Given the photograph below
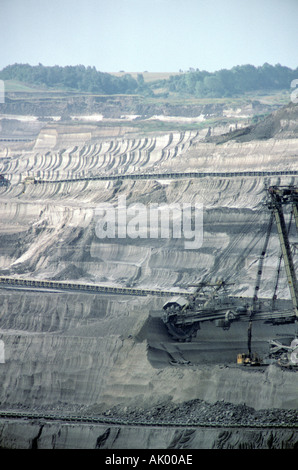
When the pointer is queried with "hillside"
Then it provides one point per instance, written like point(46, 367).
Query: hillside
point(282, 123)
point(221, 83)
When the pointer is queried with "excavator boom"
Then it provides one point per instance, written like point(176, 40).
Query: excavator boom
point(279, 197)
point(183, 316)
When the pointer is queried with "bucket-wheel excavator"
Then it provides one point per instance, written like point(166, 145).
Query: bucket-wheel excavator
point(183, 315)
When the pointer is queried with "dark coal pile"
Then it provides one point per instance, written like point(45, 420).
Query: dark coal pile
point(199, 412)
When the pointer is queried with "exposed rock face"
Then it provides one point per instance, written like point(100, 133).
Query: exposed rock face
point(116, 107)
point(21, 435)
point(98, 351)
point(281, 124)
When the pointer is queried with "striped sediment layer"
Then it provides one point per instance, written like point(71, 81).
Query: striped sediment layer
point(76, 349)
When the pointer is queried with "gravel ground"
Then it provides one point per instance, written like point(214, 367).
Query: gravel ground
point(193, 412)
point(199, 411)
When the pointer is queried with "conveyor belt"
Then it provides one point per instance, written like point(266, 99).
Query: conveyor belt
point(12, 282)
point(119, 421)
point(148, 176)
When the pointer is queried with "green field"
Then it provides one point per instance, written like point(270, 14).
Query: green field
point(159, 97)
point(15, 86)
point(148, 76)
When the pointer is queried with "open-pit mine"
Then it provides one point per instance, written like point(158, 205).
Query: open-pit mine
point(143, 340)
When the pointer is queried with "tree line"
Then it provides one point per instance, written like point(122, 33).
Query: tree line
point(78, 77)
point(238, 80)
point(222, 83)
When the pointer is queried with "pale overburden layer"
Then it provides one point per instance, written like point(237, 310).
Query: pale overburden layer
point(98, 351)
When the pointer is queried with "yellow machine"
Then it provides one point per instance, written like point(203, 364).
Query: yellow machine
point(249, 359)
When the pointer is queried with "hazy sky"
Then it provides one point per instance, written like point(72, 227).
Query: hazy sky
point(152, 35)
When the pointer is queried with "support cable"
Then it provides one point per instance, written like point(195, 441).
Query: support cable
point(274, 297)
point(260, 265)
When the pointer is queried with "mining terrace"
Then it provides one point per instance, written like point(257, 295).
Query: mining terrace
point(86, 369)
